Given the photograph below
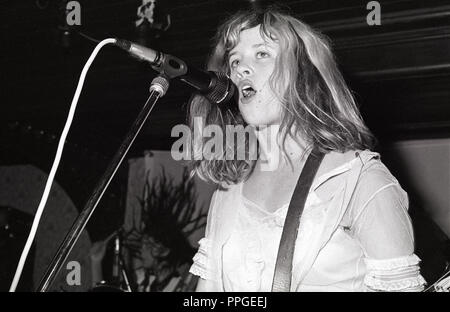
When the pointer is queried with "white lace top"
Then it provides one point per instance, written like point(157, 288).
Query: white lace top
point(355, 238)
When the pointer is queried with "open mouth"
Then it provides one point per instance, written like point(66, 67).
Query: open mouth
point(247, 91)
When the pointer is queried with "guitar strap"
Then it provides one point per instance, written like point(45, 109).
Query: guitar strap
point(283, 267)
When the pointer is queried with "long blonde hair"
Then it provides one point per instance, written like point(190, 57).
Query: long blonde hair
point(317, 106)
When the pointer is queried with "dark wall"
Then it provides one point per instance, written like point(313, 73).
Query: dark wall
point(399, 70)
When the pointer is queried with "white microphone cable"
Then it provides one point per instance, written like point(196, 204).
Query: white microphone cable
point(55, 165)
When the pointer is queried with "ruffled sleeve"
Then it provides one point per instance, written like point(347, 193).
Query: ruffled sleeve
point(397, 274)
point(202, 259)
point(382, 226)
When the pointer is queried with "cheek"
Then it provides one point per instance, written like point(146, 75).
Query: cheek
point(248, 112)
point(233, 77)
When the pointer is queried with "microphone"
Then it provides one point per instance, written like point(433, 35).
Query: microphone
point(215, 86)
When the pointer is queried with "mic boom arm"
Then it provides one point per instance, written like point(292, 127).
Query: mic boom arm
point(215, 86)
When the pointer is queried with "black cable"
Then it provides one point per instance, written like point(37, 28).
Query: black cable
point(88, 37)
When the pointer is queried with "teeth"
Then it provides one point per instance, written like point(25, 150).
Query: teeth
point(247, 91)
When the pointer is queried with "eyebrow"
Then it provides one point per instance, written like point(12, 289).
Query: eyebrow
point(255, 46)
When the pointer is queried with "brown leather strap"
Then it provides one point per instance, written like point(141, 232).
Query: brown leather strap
point(283, 266)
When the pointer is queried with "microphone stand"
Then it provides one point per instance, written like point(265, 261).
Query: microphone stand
point(158, 88)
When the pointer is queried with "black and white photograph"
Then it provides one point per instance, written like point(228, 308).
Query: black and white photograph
point(224, 150)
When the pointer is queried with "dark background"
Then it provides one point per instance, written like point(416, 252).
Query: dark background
point(399, 71)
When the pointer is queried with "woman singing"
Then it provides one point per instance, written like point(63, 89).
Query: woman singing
point(355, 233)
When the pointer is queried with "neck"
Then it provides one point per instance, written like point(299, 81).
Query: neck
point(270, 141)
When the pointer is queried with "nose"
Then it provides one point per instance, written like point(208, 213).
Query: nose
point(243, 70)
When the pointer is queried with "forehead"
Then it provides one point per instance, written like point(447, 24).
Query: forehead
point(252, 37)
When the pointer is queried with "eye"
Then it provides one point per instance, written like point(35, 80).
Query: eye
point(262, 54)
point(234, 63)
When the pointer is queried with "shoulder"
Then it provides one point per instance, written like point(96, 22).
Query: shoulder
point(377, 187)
point(226, 192)
point(351, 160)
point(339, 169)
point(223, 204)
point(363, 176)
point(375, 177)
point(372, 173)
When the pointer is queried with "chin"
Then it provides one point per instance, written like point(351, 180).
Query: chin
point(252, 121)
point(255, 117)
point(250, 116)
point(259, 123)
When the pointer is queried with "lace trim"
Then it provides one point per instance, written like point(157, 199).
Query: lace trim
point(415, 283)
point(391, 264)
point(200, 259)
point(204, 245)
point(198, 271)
point(394, 274)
